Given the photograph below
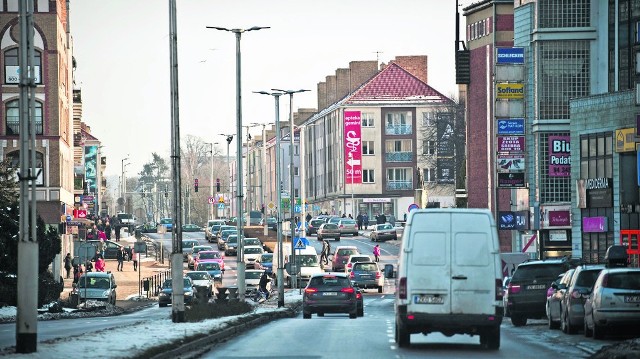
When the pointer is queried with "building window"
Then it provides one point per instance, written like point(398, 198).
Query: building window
point(12, 66)
point(399, 123)
point(399, 151)
point(399, 179)
point(14, 159)
point(366, 119)
point(368, 176)
point(12, 116)
point(428, 119)
point(296, 193)
point(428, 147)
point(429, 174)
point(562, 13)
point(296, 171)
point(296, 150)
point(367, 148)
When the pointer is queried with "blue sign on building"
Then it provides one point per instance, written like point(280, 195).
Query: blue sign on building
point(511, 126)
point(510, 55)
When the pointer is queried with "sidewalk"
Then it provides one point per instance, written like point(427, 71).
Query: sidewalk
point(128, 279)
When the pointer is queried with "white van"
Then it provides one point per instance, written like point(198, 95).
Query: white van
point(449, 276)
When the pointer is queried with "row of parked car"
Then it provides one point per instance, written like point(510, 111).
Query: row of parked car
point(592, 298)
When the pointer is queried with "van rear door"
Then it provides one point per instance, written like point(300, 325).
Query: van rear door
point(474, 263)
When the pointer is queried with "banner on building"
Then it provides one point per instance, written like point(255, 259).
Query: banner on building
point(508, 91)
point(510, 162)
point(559, 156)
point(352, 147)
point(511, 144)
point(511, 126)
point(444, 131)
point(513, 220)
point(510, 55)
point(446, 171)
point(511, 180)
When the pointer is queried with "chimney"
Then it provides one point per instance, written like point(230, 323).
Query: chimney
point(416, 65)
point(322, 95)
point(331, 90)
point(343, 83)
point(361, 71)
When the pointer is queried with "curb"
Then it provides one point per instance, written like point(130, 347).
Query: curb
point(192, 348)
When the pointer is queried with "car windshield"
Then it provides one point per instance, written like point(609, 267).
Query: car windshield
point(330, 281)
point(252, 250)
point(384, 226)
point(307, 260)
point(209, 255)
point(198, 276)
point(189, 244)
point(252, 242)
point(198, 249)
point(215, 227)
point(587, 278)
point(365, 267)
point(227, 233)
point(209, 266)
point(347, 252)
point(360, 259)
point(232, 240)
point(330, 226)
point(266, 258)
point(348, 221)
point(528, 272)
point(98, 283)
point(252, 275)
point(623, 280)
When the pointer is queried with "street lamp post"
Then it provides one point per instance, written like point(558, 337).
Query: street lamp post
point(294, 281)
point(211, 182)
point(123, 185)
point(280, 254)
point(228, 138)
point(240, 257)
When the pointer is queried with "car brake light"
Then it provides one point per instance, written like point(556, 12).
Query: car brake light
point(498, 289)
point(341, 226)
point(378, 275)
point(350, 265)
point(402, 288)
point(352, 275)
point(310, 290)
point(347, 290)
point(358, 295)
point(513, 288)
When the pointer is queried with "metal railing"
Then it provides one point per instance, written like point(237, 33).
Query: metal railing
point(151, 285)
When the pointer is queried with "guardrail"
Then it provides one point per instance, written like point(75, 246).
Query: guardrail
point(151, 284)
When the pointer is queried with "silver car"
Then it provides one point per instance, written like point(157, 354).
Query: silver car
point(98, 286)
point(613, 302)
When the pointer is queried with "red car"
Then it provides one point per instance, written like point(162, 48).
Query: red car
point(209, 256)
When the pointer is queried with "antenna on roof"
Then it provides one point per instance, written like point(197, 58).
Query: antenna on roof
point(378, 55)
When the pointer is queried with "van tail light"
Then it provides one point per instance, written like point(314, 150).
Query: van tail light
point(310, 290)
point(347, 290)
point(513, 289)
point(352, 275)
point(349, 265)
point(342, 226)
point(605, 280)
point(498, 289)
point(378, 275)
point(402, 288)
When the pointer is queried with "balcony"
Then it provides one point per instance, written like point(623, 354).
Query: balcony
point(398, 129)
point(13, 127)
point(399, 185)
point(398, 157)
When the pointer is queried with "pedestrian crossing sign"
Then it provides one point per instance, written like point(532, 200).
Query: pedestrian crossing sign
point(300, 243)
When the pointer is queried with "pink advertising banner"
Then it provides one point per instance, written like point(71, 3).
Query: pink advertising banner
point(352, 147)
point(559, 156)
point(511, 144)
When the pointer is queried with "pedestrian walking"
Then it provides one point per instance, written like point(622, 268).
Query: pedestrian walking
point(376, 253)
point(107, 230)
point(120, 257)
point(134, 257)
point(100, 264)
point(101, 245)
point(365, 221)
point(68, 261)
point(359, 221)
point(116, 230)
point(326, 250)
point(77, 272)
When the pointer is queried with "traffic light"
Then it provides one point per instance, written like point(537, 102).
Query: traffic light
point(195, 185)
point(217, 184)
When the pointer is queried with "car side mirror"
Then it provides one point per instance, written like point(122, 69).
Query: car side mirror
point(554, 285)
point(115, 286)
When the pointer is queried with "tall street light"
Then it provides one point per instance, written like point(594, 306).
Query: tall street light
point(211, 181)
point(292, 185)
point(250, 191)
point(123, 185)
point(280, 254)
point(263, 177)
point(240, 257)
point(228, 138)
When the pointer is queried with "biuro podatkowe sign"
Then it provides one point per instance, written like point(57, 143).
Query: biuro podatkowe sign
point(509, 91)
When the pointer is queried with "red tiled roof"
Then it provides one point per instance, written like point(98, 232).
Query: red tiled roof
point(394, 83)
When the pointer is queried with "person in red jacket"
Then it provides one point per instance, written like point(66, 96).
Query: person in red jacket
point(100, 264)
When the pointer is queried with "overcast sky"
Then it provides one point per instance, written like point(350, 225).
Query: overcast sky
point(122, 53)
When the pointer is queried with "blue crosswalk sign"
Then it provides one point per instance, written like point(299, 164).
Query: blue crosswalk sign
point(300, 243)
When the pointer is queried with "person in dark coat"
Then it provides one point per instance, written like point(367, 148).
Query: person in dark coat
point(68, 261)
point(107, 230)
point(120, 257)
point(365, 221)
point(359, 221)
point(116, 229)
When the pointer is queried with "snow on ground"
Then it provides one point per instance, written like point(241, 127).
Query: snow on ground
point(118, 343)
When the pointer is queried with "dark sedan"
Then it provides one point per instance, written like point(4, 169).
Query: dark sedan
point(166, 291)
point(111, 249)
point(383, 232)
point(329, 293)
point(190, 227)
point(314, 224)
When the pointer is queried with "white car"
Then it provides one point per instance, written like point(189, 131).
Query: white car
point(202, 281)
point(252, 255)
point(252, 279)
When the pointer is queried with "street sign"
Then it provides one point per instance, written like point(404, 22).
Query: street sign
point(211, 200)
point(68, 218)
point(413, 206)
point(297, 208)
point(300, 243)
point(140, 247)
point(220, 205)
point(271, 205)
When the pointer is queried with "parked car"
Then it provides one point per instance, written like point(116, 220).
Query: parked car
point(348, 226)
point(213, 268)
point(554, 298)
point(168, 223)
point(194, 253)
point(340, 257)
point(187, 248)
point(367, 275)
point(190, 227)
point(203, 282)
point(328, 230)
point(224, 235)
point(251, 255)
point(329, 293)
point(613, 303)
point(100, 286)
point(190, 292)
point(572, 316)
point(313, 226)
point(383, 232)
point(209, 256)
point(527, 291)
point(355, 258)
point(111, 248)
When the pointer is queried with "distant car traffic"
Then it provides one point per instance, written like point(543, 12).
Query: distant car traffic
point(328, 230)
point(149, 227)
point(251, 255)
point(203, 282)
point(367, 275)
point(329, 293)
point(166, 291)
point(383, 232)
point(187, 248)
point(348, 226)
point(554, 299)
point(224, 235)
point(194, 253)
point(213, 268)
point(313, 226)
point(341, 256)
point(355, 258)
point(272, 223)
point(209, 256)
point(190, 227)
point(582, 280)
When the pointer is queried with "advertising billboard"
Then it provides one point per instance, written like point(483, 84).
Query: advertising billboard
point(511, 126)
point(559, 156)
point(444, 128)
point(511, 179)
point(511, 144)
point(352, 147)
point(509, 91)
point(510, 163)
point(510, 55)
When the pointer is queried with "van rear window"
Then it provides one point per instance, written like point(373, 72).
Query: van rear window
point(429, 248)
